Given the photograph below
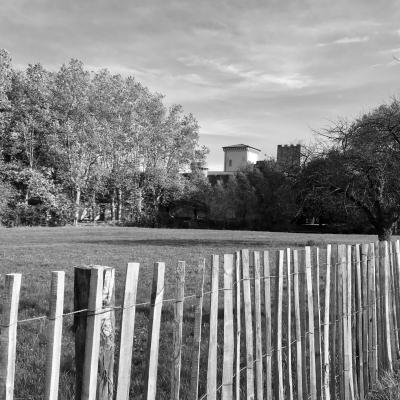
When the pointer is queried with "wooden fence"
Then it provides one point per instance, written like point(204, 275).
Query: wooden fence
point(297, 324)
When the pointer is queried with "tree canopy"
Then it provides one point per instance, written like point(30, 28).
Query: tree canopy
point(361, 166)
point(90, 138)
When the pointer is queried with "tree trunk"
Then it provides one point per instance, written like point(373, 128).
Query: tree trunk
point(119, 210)
point(384, 233)
point(113, 205)
point(139, 201)
point(93, 216)
point(77, 204)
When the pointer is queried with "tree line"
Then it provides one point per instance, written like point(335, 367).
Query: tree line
point(82, 145)
point(349, 182)
point(73, 139)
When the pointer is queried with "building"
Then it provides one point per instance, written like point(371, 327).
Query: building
point(288, 158)
point(236, 157)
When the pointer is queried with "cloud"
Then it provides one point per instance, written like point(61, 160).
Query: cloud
point(263, 71)
point(346, 40)
point(247, 76)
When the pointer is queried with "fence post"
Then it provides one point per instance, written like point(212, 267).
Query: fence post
point(289, 324)
point(310, 303)
point(177, 330)
point(365, 312)
point(297, 317)
point(229, 345)
point(361, 337)
point(238, 325)
point(92, 342)
point(105, 377)
point(257, 314)
point(54, 334)
point(349, 341)
point(81, 298)
point(248, 325)
point(8, 335)
point(194, 379)
point(326, 368)
point(373, 346)
point(157, 295)
point(212, 344)
point(281, 255)
point(127, 331)
point(334, 318)
point(387, 306)
point(379, 265)
point(317, 310)
point(268, 323)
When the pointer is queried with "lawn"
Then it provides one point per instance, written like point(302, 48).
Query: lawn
point(35, 252)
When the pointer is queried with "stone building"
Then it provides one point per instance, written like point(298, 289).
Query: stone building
point(289, 158)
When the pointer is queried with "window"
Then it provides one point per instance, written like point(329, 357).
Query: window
point(230, 163)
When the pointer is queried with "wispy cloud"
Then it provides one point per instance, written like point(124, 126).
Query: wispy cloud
point(247, 75)
point(346, 40)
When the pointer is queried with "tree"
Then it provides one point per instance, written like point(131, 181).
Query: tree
point(362, 166)
point(78, 137)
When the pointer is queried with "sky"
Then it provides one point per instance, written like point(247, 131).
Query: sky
point(261, 73)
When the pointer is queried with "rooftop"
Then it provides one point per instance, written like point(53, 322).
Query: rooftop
point(241, 145)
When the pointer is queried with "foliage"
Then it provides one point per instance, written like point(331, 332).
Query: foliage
point(73, 138)
point(361, 168)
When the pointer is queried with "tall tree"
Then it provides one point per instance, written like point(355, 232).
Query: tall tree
point(78, 137)
point(362, 165)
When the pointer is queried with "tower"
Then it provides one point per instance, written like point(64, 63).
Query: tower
point(289, 157)
point(239, 156)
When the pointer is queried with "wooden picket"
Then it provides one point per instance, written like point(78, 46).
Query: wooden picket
point(322, 324)
point(54, 334)
point(213, 338)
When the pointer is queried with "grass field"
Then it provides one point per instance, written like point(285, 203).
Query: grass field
point(35, 252)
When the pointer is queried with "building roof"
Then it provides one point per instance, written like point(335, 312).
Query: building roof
point(241, 145)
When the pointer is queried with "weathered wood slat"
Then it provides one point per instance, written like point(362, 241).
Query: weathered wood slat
point(238, 324)
point(387, 307)
point(341, 262)
point(177, 330)
point(310, 304)
point(289, 324)
point(268, 324)
point(105, 375)
point(372, 308)
point(326, 368)
point(8, 334)
point(346, 337)
point(379, 310)
point(212, 344)
point(396, 267)
point(54, 335)
point(360, 323)
point(317, 318)
point(81, 297)
point(279, 358)
point(153, 342)
point(248, 319)
point(349, 301)
point(229, 341)
point(365, 313)
point(298, 317)
point(334, 320)
point(198, 316)
point(393, 308)
point(92, 342)
point(127, 331)
point(257, 315)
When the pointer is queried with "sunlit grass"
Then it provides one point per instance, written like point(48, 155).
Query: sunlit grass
point(35, 252)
